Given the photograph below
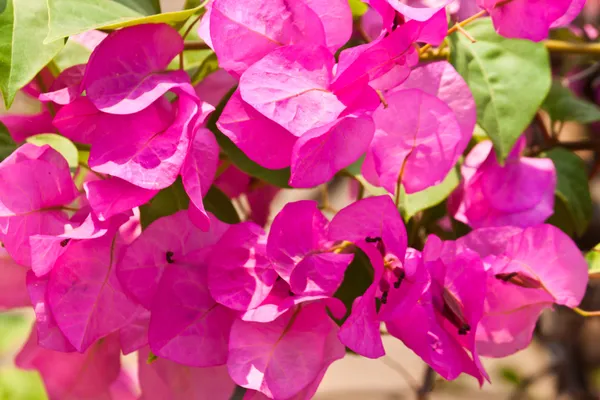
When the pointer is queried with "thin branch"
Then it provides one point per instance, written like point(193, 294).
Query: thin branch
point(195, 45)
point(558, 46)
point(427, 386)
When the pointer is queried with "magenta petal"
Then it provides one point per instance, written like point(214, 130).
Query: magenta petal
point(13, 292)
point(109, 197)
point(81, 121)
point(74, 375)
point(319, 274)
point(163, 379)
point(49, 334)
point(423, 145)
point(187, 325)
point(134, 335)
point(199, 169)
point(290, 86)
point(125, 72)
point(336, 17)
point(243, 32)
point(297, 230)
point(261, 139)
point(259, 352)
point(435, 29)
point(371, 217)
point(145, 260)
point(419, 10)
point(572, 12)
point(83, 292)
point(240, 276)
point(22, 126)
point(320, 153)
point(215, 86)
point(150, 156)
point(67, 86)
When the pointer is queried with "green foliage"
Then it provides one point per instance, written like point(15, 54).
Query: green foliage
point(7, 144)
point(509, 79)
point(572, 187)
point(168, 201)
point(277, 177)
point(562, 105)
point(593, 260)
point(220, 205)
point(358, 8)
point(59, 143)
point(23, 28)
point(70, 17)
point(357, 278)
point(411, 204)
point(72, 54)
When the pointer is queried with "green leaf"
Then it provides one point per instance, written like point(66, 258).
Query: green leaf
point(7, 144)
point(572, 187)
point(358, 8)
point(430, 197)
point(562, 217)
point(168, 201)
point(509, 79)
point(17, 384)
point(562, 105)
point(14, 327)
point(220, 205)
point(72, 54)
point(59, 143)
point(70, 17)
point(23, 27)
point(593, 260)
point(277, 177)
point(357, 279)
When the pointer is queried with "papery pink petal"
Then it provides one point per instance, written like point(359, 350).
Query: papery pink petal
point(112, 196)
point(240, 276)
point(13, 291)
point(242, 33)
point(125, 72)
point(84, 292)
point(233, 182)
point(375, 217)
point(322, 152)
point(572, 12)
point(81, 121)
point(435, 29)
point(150, 156)
point(440, 79)
point(199, 169)
point(163, 379)
point(261, 139)
point(74, 376)
point(420, 10)
point(386, 12)
point(423, 145)
point(67, 86)
point(134, 335)
point(297, 230)
point(89, 39)
point(525, 19)
point(22, 126)
point(259, 352)
point(49, 335)
point(319, 273)
point(215, 86)
point(145, 260)
point(290, 86)
point(360, 332)
point(187, 325)
point(260, 200)
point(336, 17)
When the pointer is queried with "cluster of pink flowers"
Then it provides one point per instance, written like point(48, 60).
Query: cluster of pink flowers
point(221, 305)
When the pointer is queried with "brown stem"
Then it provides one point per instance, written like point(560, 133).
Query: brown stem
point(196, 45)
point(427, 386)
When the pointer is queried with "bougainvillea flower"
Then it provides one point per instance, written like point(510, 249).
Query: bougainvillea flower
point(241, 37)
point(30, 203)
point(240, 275)
point(418, 150)
point(258, 352)
point(528, 270)
point(134, 335)
point(67, 86)
point(13, 292)
point(164, 379)
point(520, 193)
point(213, 88)
point(74, 376)
point(22, 126)
point(301, 252)
point(375, 226)
point(83, 291)
point(125, 73)
point(420, 10)
point(524, 19)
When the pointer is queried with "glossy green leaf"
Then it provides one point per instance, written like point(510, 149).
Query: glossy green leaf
point(593, 260)
point(72, 54)
point(411, 204)
point(509, 79)
point(562, 217)
point(7, 144)
point(23, 28)
point(59, 143)
point(277, 177)
point(562, 105)
point(70, 17)
point(572, 187)
point(168, 201)
point(220, 205)
point(357, 279)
